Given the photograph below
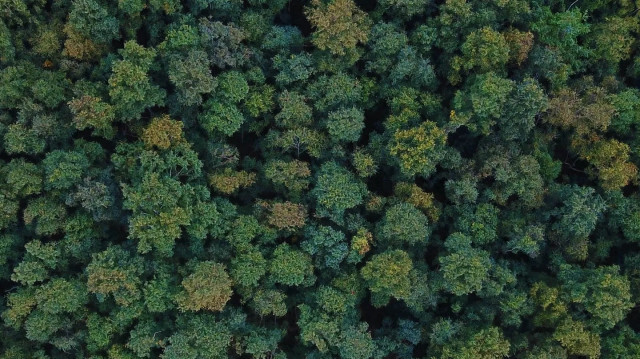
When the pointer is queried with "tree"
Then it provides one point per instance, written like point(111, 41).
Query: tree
point(159, 212)
point(291, 267)
point(385, 43)
point(403, 223)
point(514, 174)
point(627, 117)
point(361, 241)
point(198, 337)
point(229, 181)
point(337, 189)
point(208, 287)
point(117, 273)
point(21, 178)
point(286, 215)
point(191, 76)
point(90, 19)
point(44, 214)
point(407, 8)
point(50, 88)
point(91, 112)
point(485, 344)
point(327, 246)
point(336, 91)
point(223, 43)
point(387, 275)
point(581, 209)
point(465, 269)
point(577, 340)
point(221, 117)
point(247, 268)
point(551, 29)
point(291, 176)
point(611, 164)
point(525, 103)
point(585, 114)
point(163, 133)
point(624, 342)
point(64, 169)
point(356, 343)
point(484, 49)
point(293, 68)
point(419, 149)
point(294, 110)
point(364, 164)
point(339, 25)
point(520, 43)
point(613, 39)
point(483, 102)
point(602, 292)
point(298, 141)
point(412, 69)
point(48, 312)
point(130, 86)
point(36, 265)
point(345, 124)
point(79, 46)
point(21, 139)
point(262, 342)
point(317, 328)
point(269, 302)
point(231, 87)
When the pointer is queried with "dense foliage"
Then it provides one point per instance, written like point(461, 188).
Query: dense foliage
point(453, 179)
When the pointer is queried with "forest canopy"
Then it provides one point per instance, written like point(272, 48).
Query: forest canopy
point(271, 179)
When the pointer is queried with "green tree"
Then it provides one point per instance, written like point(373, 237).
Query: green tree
point(577, 340)
point(345, 124)
point(465, 269)
point(191, 76)
point(613, 39)
point(91, 112)
point(221, 117)
point(269, 302)
point(115, 272)
point(295, 111)
point(482, 103)
point(485, 344)
point(130, 86)
point(44, 215)
point(198, 337)
point(291, 267)
point(404, 223)
point(387, 275)
point(484, 49)
point(419, 149)
point(223, 43)
point(327, 246)
point(21, 178)
point(339, 25)
point(92, 20)
point(289, 176)
point(159, 212)
point(602, 292)
point(208, 287)
point(247, 268)
point(337, 190)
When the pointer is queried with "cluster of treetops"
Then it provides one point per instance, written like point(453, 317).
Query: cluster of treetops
point(317, 179)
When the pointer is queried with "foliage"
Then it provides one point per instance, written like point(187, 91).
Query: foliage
point(207, 288)
point(314, 179)
point(340, 25)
